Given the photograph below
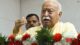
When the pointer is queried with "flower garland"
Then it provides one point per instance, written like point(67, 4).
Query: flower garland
point(76, 41)
point(12, 41)
point(25, 37)
point(45, 37)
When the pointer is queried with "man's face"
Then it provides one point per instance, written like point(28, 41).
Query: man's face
point(32, 22)
point(50, 14)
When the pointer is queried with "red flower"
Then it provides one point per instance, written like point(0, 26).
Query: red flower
point(69, 40)
point(11, 37)
point(57, 37)
point(33, 43)
point(26, 36)
point(78, 42)
point(18, 42)
point(78, 37)
point(11, 43)
point(74, 42)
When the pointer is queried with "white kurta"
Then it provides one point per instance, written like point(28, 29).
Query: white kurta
point(66, 29)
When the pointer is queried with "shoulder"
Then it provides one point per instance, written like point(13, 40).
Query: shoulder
point(34, 28)
point(32, 31)
point(70, 29)
point(69, 26)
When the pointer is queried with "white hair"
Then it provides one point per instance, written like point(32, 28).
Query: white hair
point(56, 2)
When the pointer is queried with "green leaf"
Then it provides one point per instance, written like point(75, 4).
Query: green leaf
point(3, 40)
point(44, 35)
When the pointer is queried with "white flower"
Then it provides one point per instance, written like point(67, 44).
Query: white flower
point(57, 43)
point(29, 41)
point(68, 35)
point(18, 37)
point(26, 43)
point(33, 39)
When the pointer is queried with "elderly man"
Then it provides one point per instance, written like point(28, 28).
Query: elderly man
point(50, 18)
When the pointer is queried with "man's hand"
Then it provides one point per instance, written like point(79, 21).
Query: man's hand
point(18, 24)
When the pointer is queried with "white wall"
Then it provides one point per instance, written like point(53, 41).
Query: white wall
point(9, 12)
point(30, 6)
point(71, 10)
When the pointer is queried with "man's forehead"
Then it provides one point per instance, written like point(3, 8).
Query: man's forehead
point(32, 18)
point(49, 5)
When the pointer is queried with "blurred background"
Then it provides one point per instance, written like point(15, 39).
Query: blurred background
point(10, 10)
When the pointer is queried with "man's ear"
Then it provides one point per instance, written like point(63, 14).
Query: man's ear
point(60, 14)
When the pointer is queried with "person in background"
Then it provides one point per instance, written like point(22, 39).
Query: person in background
point(31, 20)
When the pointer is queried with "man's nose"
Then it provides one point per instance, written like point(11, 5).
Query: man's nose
point(46, 13)
point(32, 23)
